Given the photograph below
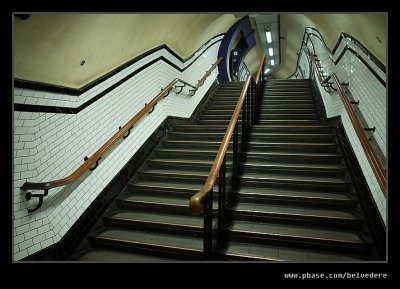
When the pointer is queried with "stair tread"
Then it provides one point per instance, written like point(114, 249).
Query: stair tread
point(161, 218)
point(282, 177)
point(295, 193)
point(153, 239)
point(109, 255)
point(278, 253)
point(168, 185)
point(296, 165)
point(297, 210)
point(297, 231)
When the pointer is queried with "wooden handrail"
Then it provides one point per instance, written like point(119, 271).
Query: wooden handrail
point(97, 155)
point(260, 67)
point(196, 201)
point(376, 166)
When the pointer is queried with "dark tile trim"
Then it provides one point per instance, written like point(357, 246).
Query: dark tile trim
point(74, 110)
point(74, 241)
point(382, 81)
point(378, 63)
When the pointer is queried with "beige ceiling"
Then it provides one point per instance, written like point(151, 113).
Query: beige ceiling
point(50, 47)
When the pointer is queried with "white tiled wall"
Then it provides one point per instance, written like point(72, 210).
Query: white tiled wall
point(49, 146)
point(372, 95)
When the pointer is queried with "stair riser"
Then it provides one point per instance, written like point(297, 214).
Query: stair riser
point(306, 221)
point(179, 254)
point(183, 166)
point(359, 249)
point(284, 138)
point(156, 227)
point(193, 146)
point(296, 171)
point(288, 116)
point(294, 184)
point(294, 159)
point(288, 200)
point(273, 111)
point(288, 122)
point(290, 147)
point(287, 129)
point(195, 156)
point(155, 207)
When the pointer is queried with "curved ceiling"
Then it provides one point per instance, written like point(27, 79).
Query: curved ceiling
point(50, 47)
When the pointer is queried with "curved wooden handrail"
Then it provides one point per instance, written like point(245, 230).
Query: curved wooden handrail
point(260, 67)
point(96, 156)
point(196, 201)
point(376, 166)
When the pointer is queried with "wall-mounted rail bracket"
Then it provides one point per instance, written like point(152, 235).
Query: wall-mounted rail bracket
point(167, 92)
point(152, 109)
point(181, 88)
point(97, 163)
point(369, 129)
point(192, 91)
point(344, 83)
point(29, 196)
point(129, 132)
point(355, 102)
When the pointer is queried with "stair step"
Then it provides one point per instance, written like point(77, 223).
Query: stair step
point(259, 252)
point(287, 122)
point(298, 236)
point(155, 203)
point(195, 144)
point(275, 146)
point(311, 158)
point(200, 128)
point(295, 169)
point(110, 255)
point(293, 137)
point(200, 165)
point(292, 128)
point(294, 181)
point(150, 241)
point(156, 221)
point(168, 188)
point(192, 153)
point(290, 116)
point(305, 197)
point(296, 214)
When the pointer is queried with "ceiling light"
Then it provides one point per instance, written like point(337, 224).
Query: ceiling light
point(269, 36)
point(266, 71)
point(271, 51)
point(272, 62)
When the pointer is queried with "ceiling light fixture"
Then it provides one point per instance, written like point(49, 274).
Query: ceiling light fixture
point(269, 36)
point(266, 71)
point(272, 62)
point(271, 51)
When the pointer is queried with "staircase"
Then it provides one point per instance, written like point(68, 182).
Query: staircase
point(295, 201)
point(153, 221)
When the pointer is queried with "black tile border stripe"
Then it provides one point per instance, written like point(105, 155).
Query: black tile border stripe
point(75, 110)
point(378, 63)
point(347, 48)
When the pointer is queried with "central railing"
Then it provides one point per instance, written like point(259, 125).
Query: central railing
point(202, 201)
point(123, 131)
